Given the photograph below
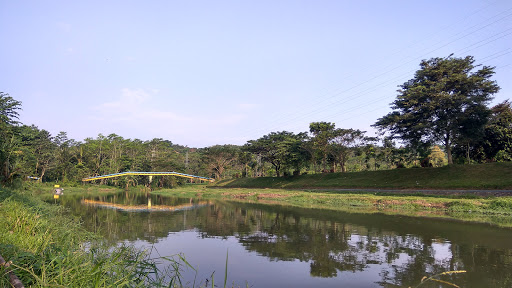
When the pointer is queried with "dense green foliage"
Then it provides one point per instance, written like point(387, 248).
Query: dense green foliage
point(8, 139)
point(444, 104)
point(281, 149)
point(498, 133)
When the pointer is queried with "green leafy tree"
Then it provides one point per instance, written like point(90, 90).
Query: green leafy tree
point(94, 155)
point(371, 151)
point(244, 159)
point(9, 151)
point(437, 157)
point(498, 133)
point(116, 151)
point(386, 152)
point(161, 157)
point(298, 156)
point(341, 142)
point(277, 148)
point(219, 158)
point(39, 151)
point(435, 105)
point(323, 133)
point(9, 109)
point(65, 160)
point(133, 158)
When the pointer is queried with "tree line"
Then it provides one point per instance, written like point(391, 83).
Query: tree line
point(440, 116)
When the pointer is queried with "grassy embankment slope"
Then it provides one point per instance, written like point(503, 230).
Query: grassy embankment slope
point(482, 176)
point(293, 191)
point(492, 210)
point(46, 247)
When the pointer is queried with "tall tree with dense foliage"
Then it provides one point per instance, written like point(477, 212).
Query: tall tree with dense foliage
point(38, 149)
point(278, 148)
point(341, 143)
point(435, 105)
point(9, 109)
point(219, 158)
point(323, 133)
point(498, 133)
point(298, 156)
point(65, 159)
point(8, 143)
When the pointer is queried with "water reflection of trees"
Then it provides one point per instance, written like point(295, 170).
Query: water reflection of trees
point(400, 250)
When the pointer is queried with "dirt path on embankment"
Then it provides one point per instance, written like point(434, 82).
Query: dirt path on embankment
point(476, 192)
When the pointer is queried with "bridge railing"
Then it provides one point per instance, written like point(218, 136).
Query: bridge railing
point(172, 173)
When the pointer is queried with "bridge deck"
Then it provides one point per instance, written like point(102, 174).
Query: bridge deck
point(148, 174)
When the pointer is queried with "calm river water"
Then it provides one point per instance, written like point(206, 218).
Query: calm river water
point(281, 246)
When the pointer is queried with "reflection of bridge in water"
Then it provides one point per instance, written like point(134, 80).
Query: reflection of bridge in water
point(133, 173)
point(147, 207)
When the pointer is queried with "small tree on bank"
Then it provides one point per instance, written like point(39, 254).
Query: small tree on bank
point(436, 104)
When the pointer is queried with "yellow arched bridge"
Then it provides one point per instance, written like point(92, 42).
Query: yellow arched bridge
point(147, 174)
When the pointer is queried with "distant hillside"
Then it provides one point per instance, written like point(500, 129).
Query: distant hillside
point(478, 176)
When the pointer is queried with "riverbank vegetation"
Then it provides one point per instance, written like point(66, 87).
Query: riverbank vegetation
point(47, 247)
point(466, 207)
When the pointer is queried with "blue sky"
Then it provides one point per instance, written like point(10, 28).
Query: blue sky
point(201, 73)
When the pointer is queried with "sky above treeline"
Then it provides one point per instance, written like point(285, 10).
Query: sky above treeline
point(201, 73)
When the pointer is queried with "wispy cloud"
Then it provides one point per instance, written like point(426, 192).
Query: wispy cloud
point(64, 27)
point(137, 110)
point(134, 105)
point(136, 97)
point(248, 106)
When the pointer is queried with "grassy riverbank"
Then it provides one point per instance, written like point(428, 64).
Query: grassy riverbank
point(46, 244)
point(480, 176)
point(49, 248)
point(496, 211)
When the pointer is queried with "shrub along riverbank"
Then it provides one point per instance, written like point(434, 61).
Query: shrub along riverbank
point(48, 248)
point(480, 176)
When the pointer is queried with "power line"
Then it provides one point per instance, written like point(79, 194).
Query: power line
point(366, 91)
point(290, 117)
point(324, 98)
point(396, 67)
point(414, 59)
point(374, 100)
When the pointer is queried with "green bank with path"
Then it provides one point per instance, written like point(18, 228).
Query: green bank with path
point(47, 246)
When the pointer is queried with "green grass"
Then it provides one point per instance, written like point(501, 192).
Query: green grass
point(47, 248)
point(491, 210)
point(480, 176)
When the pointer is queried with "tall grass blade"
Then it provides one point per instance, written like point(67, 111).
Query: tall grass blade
point(226, 269)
